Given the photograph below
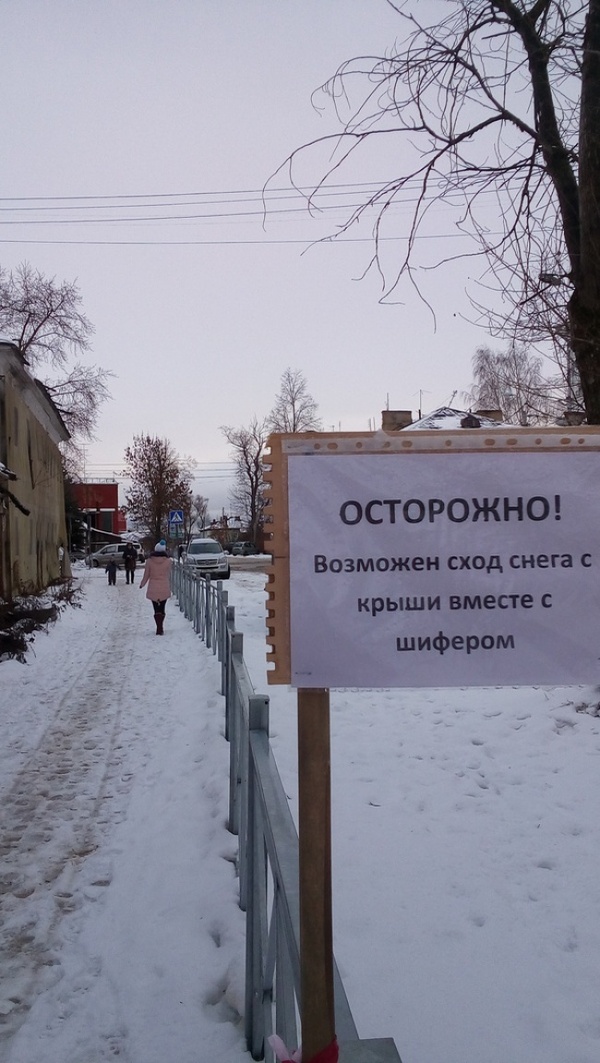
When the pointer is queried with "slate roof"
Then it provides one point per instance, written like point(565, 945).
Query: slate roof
point(447, 418)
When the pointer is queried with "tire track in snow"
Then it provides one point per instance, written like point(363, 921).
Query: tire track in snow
point(71, 786)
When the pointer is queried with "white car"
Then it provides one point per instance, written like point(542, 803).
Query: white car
point(207, 557)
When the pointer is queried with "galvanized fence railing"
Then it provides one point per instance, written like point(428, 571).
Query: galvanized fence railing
point(268, 857)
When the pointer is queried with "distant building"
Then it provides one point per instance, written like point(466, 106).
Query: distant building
point(99, 502)
point(447, 418)
point(33, 536)
point(395, 420)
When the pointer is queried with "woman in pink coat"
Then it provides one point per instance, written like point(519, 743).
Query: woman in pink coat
point(157, 574)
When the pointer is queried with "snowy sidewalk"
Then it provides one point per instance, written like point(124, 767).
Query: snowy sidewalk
point(120, 933)
point(465, 834)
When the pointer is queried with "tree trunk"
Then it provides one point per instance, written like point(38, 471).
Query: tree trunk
point(585, 341)
point(584, 307)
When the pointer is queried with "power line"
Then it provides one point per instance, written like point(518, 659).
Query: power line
point(306, 242)
point(211, 464)
point(181, 217)
point(265, 200)
point(311, 204)
point(306, 191)
point(312, 209)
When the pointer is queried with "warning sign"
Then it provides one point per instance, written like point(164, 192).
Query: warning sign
point(436, 559)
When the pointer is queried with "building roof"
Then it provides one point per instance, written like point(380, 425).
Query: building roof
point(34, 392)
point(447, 418)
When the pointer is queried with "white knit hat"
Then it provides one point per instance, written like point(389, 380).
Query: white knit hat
point(161, 547)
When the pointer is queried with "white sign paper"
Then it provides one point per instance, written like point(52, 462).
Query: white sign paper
point(457, 569)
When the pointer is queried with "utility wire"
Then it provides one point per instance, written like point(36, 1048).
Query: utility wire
point(312, 208)
point(311, 204)
point(262, 193)
point(197, 217)
point(306, 242)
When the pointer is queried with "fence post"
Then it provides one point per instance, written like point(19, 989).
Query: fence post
point(222, 629)
point(228, 655)
point(207, 630)
point(258, 720)
point(256, 892)
point(237, 648)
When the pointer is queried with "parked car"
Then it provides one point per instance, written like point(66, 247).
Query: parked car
point(113, 551)
point(244, 548)
point(207, 557)
point(78, 554)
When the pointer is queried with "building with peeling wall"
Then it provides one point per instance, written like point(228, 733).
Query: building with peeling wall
point(32, 509)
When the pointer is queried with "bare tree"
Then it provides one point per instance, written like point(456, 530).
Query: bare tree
point(43, 318)
point(295, 410)
point(513, 381)
point(199, 511)
point(78, 397)
point(498, 103)
point(160, 482)
point(247, 446)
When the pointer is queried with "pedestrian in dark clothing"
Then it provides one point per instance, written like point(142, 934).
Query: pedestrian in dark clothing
point(129, 559)
point(111, 569)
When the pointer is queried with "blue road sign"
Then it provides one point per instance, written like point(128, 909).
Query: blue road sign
point(175, 516)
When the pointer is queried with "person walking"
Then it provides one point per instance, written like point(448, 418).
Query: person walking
point(111, 571)
point(157, 575)
point(129, 559)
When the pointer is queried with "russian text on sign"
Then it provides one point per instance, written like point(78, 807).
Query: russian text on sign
point(457, 510)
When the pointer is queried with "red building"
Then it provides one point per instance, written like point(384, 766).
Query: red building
point(100, 503)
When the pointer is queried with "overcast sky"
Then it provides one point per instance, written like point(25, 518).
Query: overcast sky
point(169, 110)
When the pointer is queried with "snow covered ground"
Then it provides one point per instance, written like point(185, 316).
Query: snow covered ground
point(120, 931)
point(466, 838)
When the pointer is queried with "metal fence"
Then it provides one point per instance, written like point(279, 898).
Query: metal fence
point(268, 859)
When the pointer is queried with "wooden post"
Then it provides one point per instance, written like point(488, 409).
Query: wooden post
point(316, 934)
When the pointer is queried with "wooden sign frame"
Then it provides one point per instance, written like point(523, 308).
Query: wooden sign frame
point(280, 447)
